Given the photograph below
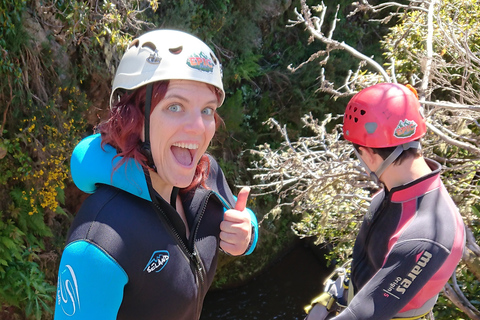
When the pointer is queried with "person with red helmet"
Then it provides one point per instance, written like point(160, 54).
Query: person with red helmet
point(413, 236)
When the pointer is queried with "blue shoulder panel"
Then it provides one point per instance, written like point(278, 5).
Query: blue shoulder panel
point(90, 164)
point(90, 284)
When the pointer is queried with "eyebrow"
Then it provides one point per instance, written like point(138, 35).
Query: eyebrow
point(173, 96)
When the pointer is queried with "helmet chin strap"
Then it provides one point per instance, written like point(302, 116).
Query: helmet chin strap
point(375, 176)
point(147, 151)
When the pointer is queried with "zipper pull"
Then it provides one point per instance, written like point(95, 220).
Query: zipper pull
point(195, 256)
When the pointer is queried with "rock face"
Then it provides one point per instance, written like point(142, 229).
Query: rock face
point(55, 62)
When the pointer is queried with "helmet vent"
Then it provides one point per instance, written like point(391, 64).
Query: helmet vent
point(177, 50)
point(154, 58)
point(134, 43)
point(149, 45)
point(214, 59)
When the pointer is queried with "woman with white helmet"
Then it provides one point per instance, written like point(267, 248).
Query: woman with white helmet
point(145, 244)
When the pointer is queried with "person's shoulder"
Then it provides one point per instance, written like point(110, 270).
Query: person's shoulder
point(93, 164)
point(108, 210)
point(111, 200)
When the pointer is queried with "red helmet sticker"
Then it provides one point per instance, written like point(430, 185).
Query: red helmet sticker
point(405, 129)
point(200, 62)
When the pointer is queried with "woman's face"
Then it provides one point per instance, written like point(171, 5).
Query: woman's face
point(181, 128)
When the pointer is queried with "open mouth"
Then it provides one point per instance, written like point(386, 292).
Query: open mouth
point(184, 152)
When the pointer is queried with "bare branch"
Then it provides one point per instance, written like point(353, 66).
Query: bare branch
point(314, 25)
point(454, 142)
point(429, 52)
point(452, 106)
point(455, 295)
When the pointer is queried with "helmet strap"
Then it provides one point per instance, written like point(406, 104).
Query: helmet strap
point(146, 144)
point(147, 151)
point(375, 176)
point(372, 175)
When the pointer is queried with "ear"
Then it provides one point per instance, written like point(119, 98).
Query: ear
point(369, 157)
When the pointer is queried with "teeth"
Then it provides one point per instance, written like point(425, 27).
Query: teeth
point(186, 145)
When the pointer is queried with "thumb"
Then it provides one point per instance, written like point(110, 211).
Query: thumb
point(242, 199)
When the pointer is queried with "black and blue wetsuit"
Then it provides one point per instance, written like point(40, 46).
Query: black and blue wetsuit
point(126, 254)
point(406, 250)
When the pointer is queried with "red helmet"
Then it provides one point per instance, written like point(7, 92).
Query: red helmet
point(384, 115)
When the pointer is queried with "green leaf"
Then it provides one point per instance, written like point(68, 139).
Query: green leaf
point(476, 211)
point(60, 210)
point(9, 243)
point(60, 195)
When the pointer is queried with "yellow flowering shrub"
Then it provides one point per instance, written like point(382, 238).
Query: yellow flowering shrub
point(35, 168)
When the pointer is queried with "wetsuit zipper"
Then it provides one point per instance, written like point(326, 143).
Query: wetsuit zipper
point(200, 266)
point(191, 254)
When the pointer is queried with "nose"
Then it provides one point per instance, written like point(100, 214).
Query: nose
point(195, 123)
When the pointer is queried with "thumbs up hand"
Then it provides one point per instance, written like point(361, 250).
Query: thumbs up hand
point(236, 228)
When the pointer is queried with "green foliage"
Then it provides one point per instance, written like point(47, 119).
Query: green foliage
point(470, 287)
point(23, 285)
point(40, 124)
point(468, 283)
point(35, 168)
point(408, 39)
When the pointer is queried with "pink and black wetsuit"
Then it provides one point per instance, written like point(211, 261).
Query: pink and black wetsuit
point(407, 248)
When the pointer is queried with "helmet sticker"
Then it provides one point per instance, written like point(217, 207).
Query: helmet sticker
point(200, 62)
point(405, 129)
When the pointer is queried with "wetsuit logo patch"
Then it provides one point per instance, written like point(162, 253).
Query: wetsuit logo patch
point(405, 129)
point(158, 261)
point(67, 291)
point(200, 62)
point(400, 285)
point(412, 275)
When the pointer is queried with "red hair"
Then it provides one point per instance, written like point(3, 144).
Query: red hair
point(123, 129)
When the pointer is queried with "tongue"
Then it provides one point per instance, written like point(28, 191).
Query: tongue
point(182, 155)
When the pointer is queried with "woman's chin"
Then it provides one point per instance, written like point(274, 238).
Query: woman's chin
point(184, 182)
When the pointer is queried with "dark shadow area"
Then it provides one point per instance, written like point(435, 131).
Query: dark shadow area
point(279, 293)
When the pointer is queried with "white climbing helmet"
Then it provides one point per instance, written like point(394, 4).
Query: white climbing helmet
point(167, 55)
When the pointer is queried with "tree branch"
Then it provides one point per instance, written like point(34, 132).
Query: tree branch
point(456, 295)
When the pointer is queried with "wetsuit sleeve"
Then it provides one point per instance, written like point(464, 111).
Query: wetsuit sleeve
point(408, 267)
point(90, 284)
point(253, 241)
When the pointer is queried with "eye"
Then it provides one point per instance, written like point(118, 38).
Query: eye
point(175, 108)
point(208, 111)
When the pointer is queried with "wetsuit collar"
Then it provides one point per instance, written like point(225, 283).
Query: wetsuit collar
point(419, 186)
